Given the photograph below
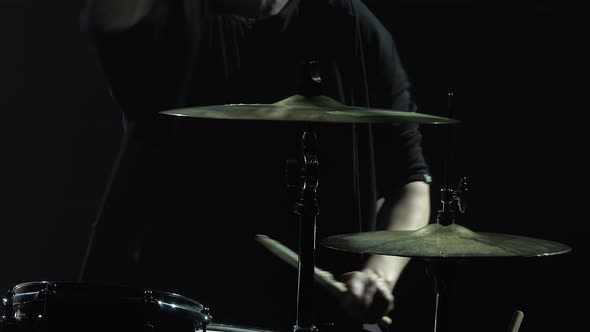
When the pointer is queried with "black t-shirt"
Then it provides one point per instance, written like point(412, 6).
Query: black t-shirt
point(188, 195)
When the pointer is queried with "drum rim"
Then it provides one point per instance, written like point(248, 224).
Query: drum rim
point(135, 292)
point(233, 327)
point(26, 294)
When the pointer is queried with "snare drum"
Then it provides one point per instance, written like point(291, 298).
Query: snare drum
point(48, 306)
point(213, 327)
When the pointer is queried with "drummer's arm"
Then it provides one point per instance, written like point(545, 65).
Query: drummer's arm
point(404, 183)
point(370, 290)
point(409, 211)
point(117, 14)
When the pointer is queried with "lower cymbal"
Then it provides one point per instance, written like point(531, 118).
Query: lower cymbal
point(438, 241)
point(307, 109)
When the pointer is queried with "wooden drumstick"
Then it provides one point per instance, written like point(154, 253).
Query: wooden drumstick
point(322, 277)
point(516, 321)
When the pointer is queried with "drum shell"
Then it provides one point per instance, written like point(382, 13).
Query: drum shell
point(51, 307)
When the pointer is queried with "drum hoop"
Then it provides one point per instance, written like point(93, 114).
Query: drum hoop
point(28, 295)
point(28, 290)
point(233, 328)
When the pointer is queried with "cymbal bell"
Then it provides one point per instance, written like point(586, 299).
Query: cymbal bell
point(307, 109)
point(438, 241)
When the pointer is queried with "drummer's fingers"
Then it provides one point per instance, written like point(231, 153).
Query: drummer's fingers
point(355, 284)
point(383, 289)
point(377, 301)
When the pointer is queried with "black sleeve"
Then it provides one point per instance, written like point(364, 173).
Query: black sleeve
point(141, 64)
point(398, 152)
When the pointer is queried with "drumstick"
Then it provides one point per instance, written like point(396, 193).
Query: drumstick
point(322, 277)
point(516, 321)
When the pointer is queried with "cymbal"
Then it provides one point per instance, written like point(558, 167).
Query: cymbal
point(438, 241)
point(307, 109)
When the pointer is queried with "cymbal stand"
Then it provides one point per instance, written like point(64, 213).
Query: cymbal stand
point(453, 202)
point(441, 270)
point(303, 182)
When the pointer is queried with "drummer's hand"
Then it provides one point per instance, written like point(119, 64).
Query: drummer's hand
point(369, 296)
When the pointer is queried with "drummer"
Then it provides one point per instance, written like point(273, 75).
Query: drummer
point(187, 196)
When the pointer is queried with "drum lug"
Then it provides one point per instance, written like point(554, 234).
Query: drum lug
point(7, 304)
point(311, 328)
point(7, 321)
point(148, 296)
point(206, 318)
point(48, 290)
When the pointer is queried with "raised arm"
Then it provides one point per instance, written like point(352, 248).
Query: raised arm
point(118, 14)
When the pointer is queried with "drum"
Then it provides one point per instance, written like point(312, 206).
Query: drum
point(48, 306)
point(214, 327)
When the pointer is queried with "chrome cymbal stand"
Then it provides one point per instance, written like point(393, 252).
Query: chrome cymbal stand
point(303, 182)
point(452, 202)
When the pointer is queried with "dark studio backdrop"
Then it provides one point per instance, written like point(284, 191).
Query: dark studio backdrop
point(522, 144)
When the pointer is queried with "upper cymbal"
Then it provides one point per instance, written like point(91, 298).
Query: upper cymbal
point(438, 241)
point(307, 109)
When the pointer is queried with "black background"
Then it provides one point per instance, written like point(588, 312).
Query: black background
point(516, 74)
